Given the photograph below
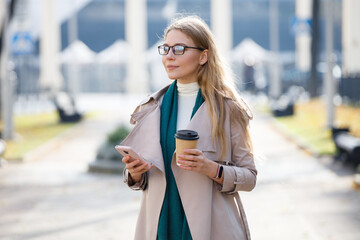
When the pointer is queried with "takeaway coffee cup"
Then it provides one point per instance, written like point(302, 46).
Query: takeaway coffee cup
point(185, 139)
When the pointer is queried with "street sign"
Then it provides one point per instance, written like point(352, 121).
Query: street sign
point(22, 44)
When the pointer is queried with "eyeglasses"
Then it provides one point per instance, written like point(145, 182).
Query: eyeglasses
point(177, 49)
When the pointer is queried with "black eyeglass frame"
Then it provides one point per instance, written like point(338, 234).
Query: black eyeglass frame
point(173, 50)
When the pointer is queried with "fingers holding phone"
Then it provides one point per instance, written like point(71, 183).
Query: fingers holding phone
point(135, 163)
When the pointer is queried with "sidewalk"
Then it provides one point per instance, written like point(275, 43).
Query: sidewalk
point(54, 197)
point(298, 196)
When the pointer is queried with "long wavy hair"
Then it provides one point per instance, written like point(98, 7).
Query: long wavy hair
point(215, 81)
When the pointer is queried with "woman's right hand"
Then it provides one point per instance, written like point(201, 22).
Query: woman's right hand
point(136, 168)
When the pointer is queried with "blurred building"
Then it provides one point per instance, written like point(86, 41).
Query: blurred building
point(101, 23)
point(250, 20)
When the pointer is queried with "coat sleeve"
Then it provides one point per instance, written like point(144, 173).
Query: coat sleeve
point(241, 176)
point(141, 185)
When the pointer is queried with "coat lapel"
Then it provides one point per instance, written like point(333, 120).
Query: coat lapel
point(148, 145)
point(148, 121)
point(192, 185)
point(202, 125)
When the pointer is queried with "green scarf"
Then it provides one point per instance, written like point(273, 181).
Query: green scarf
point(172, 223)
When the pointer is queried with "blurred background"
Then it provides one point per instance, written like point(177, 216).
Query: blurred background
point(73, 70)
point(285, 54)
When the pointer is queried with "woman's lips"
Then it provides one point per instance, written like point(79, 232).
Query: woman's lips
point(171, 67)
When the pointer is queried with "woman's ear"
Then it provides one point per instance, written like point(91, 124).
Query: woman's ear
point(204, 57)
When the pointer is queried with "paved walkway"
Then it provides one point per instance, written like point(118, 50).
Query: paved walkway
point(52, 196)
point(298, 196)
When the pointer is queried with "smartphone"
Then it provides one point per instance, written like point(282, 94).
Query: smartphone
point(128, 151)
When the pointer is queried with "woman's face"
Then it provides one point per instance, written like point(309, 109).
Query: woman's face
point(184, 67)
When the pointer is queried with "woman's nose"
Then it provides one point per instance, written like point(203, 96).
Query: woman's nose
point(170, 55)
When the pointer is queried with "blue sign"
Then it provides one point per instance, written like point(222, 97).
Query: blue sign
point(22, 44)
point(301, 26)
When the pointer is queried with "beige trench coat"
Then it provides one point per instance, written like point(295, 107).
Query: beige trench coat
point(212, 211)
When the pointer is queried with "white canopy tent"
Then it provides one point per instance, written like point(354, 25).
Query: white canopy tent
point(111, 67)
point(117, 53)
point(152, 53)
point(77, 60)
point(249, 50)
point(157, 73)
point(248, 54)
point(77, 52)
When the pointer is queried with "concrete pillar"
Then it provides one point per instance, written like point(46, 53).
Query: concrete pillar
point(169, 10)
point(351, 37)
point(275, 78)
point(136, 37)
point(329, 81)
point(50, 76)
point(2, 13)
point(6, 86)
point(222, 25)
point(303, 34)
point(73, 68)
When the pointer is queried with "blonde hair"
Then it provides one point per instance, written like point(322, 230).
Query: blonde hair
point(214, 80)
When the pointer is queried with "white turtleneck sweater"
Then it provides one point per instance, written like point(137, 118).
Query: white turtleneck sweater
point(186, 101)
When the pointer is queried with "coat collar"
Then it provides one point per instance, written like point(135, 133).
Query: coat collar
point(200, 122)
point(158, 95)
point(155, 96)
point(148, 120)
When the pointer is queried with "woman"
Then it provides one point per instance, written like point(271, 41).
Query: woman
point(198, 199)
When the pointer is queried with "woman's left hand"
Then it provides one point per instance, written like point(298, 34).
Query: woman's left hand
point(195, 160)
